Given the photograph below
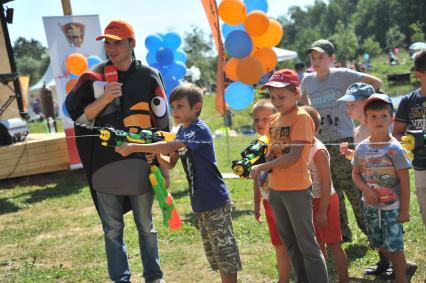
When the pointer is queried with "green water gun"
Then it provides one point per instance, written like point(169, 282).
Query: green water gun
point(256, 150)
point(165, 200)
point(113, 137)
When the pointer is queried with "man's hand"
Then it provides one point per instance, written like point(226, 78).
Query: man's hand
point(125, 149)
point(112, 91)
point(321, 219)
point(346, 151)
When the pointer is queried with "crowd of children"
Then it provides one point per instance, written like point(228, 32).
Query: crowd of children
point(306, 213)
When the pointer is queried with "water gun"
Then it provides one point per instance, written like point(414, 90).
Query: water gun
point(414, 143)
point(250, 155)
point(165, 200)
point(113, 137)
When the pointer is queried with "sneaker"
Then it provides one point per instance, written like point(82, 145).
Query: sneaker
point(411, 269)
point(409, 272)
point(376, 269)
point(389, 274)
point(159, 280)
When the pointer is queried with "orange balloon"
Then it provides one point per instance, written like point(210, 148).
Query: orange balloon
point(231, 69)
point(70, 84)
point(271, 37)
point(232, 12)
point(249, 70)
point(267, 57)
point(76, 63)
point(256, 23)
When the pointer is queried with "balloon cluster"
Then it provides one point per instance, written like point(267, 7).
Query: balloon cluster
point(165, 56)
point(77, 64)
point(249, 37)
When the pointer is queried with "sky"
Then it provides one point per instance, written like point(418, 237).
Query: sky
point(146, 16)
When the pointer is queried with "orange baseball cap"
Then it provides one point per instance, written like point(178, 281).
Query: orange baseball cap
point(118, 30)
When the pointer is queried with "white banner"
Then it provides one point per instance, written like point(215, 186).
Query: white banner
point(66, 35)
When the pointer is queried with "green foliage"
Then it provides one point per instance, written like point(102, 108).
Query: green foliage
point(199, 51)
point(371, 46)
point(367, 18)
point(394, 38)
point(345, 41)
point(417, 33)
point(31, 58)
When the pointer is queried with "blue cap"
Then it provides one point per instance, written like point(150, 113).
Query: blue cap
point(357, 91)
point(378, 97)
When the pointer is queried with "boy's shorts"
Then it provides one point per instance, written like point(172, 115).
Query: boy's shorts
point(331, 234)
point(219, 241)
point(383, 229)
point(270, 219)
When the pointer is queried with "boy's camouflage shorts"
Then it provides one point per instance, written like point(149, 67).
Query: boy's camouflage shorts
point(383, 229)
point(219, 241)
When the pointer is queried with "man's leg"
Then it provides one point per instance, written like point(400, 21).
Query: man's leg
point(421, 192)
point(141, 206)
point(336, 162)
point(111, 214)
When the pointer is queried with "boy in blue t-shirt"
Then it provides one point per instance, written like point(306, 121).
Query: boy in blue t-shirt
point(380, 170)
point(209, 196)
point(411, 114)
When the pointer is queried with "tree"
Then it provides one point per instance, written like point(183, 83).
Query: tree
point(416, 32)
point(394, 38)
point(200, 54)
point(346, 42)
point(31, 58)
point(371, 46)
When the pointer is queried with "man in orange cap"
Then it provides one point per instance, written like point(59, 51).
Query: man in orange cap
point(120, 93)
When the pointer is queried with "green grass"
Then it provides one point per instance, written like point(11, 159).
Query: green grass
point(50, 231)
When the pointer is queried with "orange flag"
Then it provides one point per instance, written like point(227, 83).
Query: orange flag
point(210, 8)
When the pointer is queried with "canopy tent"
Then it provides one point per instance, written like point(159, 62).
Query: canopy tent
point(417, 46)
point(284, 54)
point(48, 78)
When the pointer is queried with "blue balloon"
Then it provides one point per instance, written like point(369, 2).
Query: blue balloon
point(170, 84)
point(150, 58)
point(172, 40)
point(227, 29)
point(252, 5)
point(93, 60)
point(164, 56)
point(177, 70)
point(180, 56)
point(153, 42)
point(238, 44)
point(72, 76)
point(239, 95)
point(65, 111)
point(160, 68)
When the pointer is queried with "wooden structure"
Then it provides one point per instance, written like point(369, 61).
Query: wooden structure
point(40, 153)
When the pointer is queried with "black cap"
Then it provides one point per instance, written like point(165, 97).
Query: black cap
point(322, 46)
